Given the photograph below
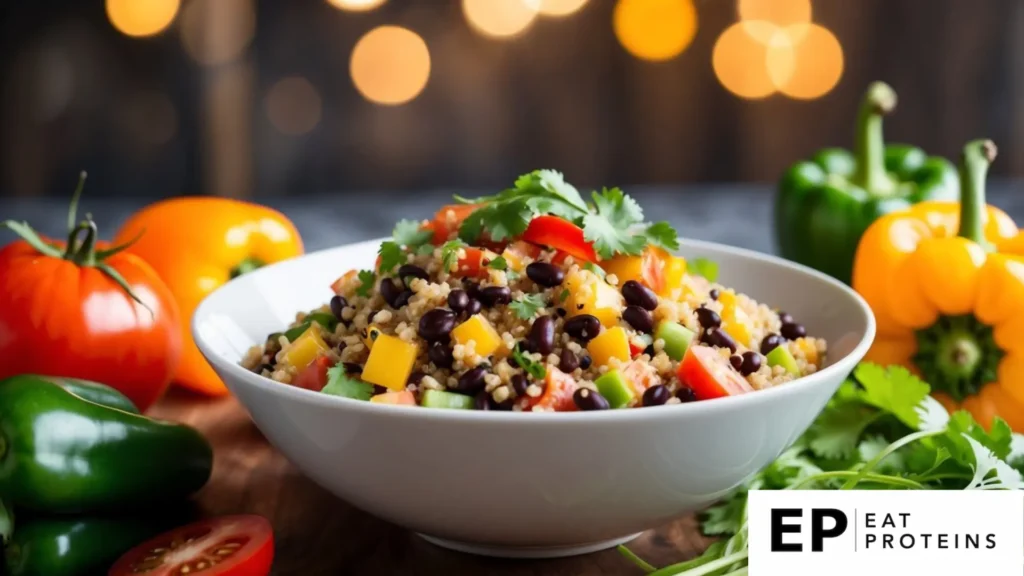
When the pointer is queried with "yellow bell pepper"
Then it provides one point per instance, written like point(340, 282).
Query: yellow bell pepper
point(390, 362)
point(735, 321)
point(370, 335)
point(655, 268)
point(946, 284)
point(478, 330)
point(306, 347)
point(610, 343)
point(589, 294)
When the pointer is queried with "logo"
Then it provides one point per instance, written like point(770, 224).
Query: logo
point(878, 533)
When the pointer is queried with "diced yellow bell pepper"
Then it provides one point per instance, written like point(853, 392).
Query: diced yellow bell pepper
point(625, 268)
point(611, 343)
point(306, 347)
point(370, 334)
point(734, 320)
point(480, 331)
point(589, 294)
point(390, 362)
point(809, 349)
point(675, 270)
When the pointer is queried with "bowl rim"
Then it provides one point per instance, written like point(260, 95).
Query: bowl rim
point(707, 407)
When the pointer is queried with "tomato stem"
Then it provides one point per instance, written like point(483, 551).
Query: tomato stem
point(73, 209)
point(977, 157)
point(84, 253)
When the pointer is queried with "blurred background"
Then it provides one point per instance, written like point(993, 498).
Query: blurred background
point(283, 98)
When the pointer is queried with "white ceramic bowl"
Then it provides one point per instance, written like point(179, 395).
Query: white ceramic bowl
point(523, 484)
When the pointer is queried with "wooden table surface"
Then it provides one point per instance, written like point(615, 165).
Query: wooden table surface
point(317, 533)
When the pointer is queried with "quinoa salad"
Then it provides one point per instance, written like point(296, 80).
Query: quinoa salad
point(536, 299)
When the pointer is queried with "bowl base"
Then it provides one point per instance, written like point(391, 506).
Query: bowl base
point(534, 552)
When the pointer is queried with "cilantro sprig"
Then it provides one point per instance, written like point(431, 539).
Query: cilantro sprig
point(528, 306)
point(534, 369)
point(450, 253)
point(882, 429)
point(407, 236)
point(339, 383)
point(366, 281)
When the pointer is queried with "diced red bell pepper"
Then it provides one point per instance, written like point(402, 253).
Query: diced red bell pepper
point(709, 375)
point(314, 376)
point(561, 235)
point(558, 391)
point(474, 263)
point(443, 227)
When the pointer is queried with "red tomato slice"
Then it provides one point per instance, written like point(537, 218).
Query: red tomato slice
point(226, 546)
point(562, 235)
point(653, 266)
point(443, 227)
point(558, 391)
point(709, 375)
point(474, 264)
point(314, 376)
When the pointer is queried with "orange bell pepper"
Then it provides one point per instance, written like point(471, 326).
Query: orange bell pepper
point(946, 284)
point(196, 244)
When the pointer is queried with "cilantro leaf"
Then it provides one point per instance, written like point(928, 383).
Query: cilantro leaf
point(425, 250)
point(873, 446)
point(836, 432)
point(366, 278)
point(534, 369)
point(508, 213)
point(527, 307)
point(894, 390)
point(608, 227)
point(339, 383)
point(662, 235)
point(411, 234)
point(391, 255)
point(450, 253)
point(473, 226)
point(563, 295)
point(704, 267)
point(595, 269)
point(498, 263)
point(991, 472)
point(726, 517)
point(554, 184)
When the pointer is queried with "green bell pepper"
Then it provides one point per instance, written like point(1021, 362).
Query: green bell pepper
point(94, 392)
point(75, 546)
point(60, 453)
point(824, 205)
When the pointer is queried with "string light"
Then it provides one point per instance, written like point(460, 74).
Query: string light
point(140, 18)
point(655, 30)
point(356, 5)
point(560, 8)
point(293, 105)
point(390, 65)
point(500, 18)
point(217, 31)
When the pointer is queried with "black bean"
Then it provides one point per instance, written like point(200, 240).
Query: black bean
point(415, 378)
point(458, 300)
point(527, 346)
point(505, 406)
point(389, 290)
point(751, 363)
point(352, 368)
point(793, 331)
point(472, 381)
point(519, 384)
point(403, 298)
point(686, 394)
point(714, 294)
point(561, 312)
point(273, 345)
point(473, 307)
point(267, 367)
point(736, 362)
point(568, 361)
point(639, 319)
point(770, 342)
point(785, 317)
point(542, 334)
point(718, 337)
point(436, 324)
point(441, 355)
point(656, 395)
point(637, 294)
point(338, 304)
point(583, 327)
point(546, 274)
point(483, 401)
point(587, 399)
point(472, 289)
point(379, 390)
point(708, 318)
point(411, 271)
point(495, 296)
point(585, 362)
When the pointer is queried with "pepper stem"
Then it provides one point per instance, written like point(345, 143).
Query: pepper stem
point(978, 155)
point(869, 144)
point(245, 266)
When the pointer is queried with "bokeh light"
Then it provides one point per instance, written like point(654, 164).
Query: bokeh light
point(356, 5)
point(739, 62)
point(500, 18)
point(815, 62)
point(655, 30)
point(217, 31)
point(293, 105)
point(559, 8)
point(390, 65)
point(778, 12)
point(139, 18)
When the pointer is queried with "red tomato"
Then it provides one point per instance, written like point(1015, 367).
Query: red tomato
point(314, 376)
point(640, 376)
point(443, 227)
point(561, 235)
point(226, 546)
point(709, 375)
point(62, 315)
point(474, 264)
point(558, 391)
point(653, 266)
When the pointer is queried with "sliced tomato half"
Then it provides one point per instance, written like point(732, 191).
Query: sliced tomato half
point(561, 235)
point(227, 546)
point(314, 376)
point(709, 375)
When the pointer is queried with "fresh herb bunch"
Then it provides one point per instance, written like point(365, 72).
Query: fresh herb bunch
point(613, 221)
point(882, 429)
